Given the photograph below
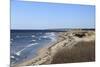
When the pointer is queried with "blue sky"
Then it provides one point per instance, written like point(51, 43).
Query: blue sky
point(39, 15)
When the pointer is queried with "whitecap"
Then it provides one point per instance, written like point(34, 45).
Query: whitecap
point(33, 35)
point(52, 36)
point(45, 36)
point(12, 57)
point(33, 40)
point(19, 52)
point(32, 44)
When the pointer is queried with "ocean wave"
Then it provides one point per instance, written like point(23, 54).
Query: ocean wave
point(51, 36)
point(29, 42)
point(33, 35)
point(45, 36)
point(33, 40)
point(32, 44)
point(19, 52)
point(12, 57)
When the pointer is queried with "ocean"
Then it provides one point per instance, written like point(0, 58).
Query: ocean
point(24, 44)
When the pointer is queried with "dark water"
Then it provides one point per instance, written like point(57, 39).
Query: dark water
point(25, 43)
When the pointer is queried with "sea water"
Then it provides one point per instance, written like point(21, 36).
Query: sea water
point(24, 44)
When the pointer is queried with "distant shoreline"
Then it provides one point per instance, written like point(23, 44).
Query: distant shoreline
point(49, 30)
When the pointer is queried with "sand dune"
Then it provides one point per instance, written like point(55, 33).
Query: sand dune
point(71, 46)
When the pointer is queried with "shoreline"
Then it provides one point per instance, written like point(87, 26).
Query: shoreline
point(66, 39)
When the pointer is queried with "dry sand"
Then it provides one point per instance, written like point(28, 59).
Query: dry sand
point(72, 46)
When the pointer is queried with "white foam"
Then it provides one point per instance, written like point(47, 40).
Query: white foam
point(12, 57)
point(19, 52)
point(33, 40)
point(52, 36)
point(31, 44)
point(45, 36)
point(33, 35)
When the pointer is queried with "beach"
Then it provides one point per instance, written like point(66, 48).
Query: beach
point(71, 46)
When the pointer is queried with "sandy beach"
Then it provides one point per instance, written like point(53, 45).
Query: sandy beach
point(71, 46)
